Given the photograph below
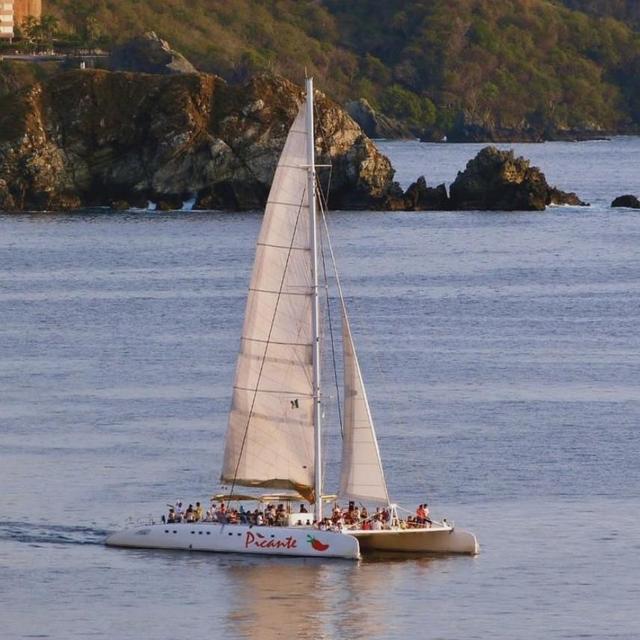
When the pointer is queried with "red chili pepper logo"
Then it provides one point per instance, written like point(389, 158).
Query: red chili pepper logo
point(316, 544)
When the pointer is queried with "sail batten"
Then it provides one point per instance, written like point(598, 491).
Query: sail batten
point(362, 477)
point(270, 431)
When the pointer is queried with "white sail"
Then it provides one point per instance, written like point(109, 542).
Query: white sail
point(270, 436)
point(362, 477)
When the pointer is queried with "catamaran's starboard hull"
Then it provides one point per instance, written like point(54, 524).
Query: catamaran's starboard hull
point(436, 540)
point(237, 538)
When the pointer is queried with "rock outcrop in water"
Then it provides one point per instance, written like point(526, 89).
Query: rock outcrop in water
point(498, 181)
point(419, 197)
point(95, 137)
point(492, 181)
point(628, 201)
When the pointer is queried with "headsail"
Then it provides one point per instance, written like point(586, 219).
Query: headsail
point(270, 432)
point(361, 477)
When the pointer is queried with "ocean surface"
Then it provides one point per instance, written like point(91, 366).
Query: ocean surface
point(501, 353)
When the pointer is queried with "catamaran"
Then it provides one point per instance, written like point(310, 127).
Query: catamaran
point(274, 434)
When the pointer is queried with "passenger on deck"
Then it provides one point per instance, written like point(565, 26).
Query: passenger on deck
point(190, 514)
point(198, 512)
point(426, 514)
point(211, 513)
point(303, 509)
point(171, 518)
point(222, 513)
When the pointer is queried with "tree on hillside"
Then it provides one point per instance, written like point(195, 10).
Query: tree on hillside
point(38, 34)
point(48, 30)
point(84, 21)
point(30, 32)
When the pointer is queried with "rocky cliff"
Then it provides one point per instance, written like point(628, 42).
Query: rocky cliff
point(94, 137)
point(148, 53)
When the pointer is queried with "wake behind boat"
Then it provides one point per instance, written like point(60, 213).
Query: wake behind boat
point(274, 433)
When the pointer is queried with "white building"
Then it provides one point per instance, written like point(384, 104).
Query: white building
point(6, 19)
point(14, 12)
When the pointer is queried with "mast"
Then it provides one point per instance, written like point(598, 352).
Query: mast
point(315, 306)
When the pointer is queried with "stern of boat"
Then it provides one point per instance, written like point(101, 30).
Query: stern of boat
point(436, 540)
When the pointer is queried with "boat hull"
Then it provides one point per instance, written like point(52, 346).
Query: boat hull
point(237, 538)
point(435, 540)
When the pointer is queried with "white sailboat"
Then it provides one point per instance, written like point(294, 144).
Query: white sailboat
point(275, 422)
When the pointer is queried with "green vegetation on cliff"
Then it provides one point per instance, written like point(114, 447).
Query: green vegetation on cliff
point(624, 10)
point(518, 66)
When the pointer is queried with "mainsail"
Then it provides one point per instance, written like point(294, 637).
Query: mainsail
point(270, 435)
point(362, 477)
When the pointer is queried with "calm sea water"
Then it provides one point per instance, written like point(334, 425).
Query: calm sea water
point(501, 353)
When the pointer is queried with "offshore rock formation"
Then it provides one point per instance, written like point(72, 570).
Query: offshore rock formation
point(493, 181)
point(149, 54)
point(498, 181)
point(419, 197)
point(629, 201)
point(95, 137)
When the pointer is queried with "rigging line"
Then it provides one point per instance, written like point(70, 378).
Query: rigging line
point(340, 293)
point(333, 261)
point(330, 323)
point(325, 144)
point(266, 346)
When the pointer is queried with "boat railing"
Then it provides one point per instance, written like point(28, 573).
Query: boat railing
point(139, 521)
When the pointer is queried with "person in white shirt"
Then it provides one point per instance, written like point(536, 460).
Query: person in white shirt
point(179, 511)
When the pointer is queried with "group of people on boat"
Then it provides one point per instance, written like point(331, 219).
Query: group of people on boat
point(353, 517)
point(271, 515)
point(179, 514)
point(358, 517)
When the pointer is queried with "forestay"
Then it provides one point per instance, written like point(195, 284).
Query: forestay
point(270, 432)
point(361, 477)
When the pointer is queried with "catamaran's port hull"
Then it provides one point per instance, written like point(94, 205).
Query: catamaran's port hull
point(237, 538)
point(436, 540)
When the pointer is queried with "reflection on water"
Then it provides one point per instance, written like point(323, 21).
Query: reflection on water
point(306, 598)
point(275, 599)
